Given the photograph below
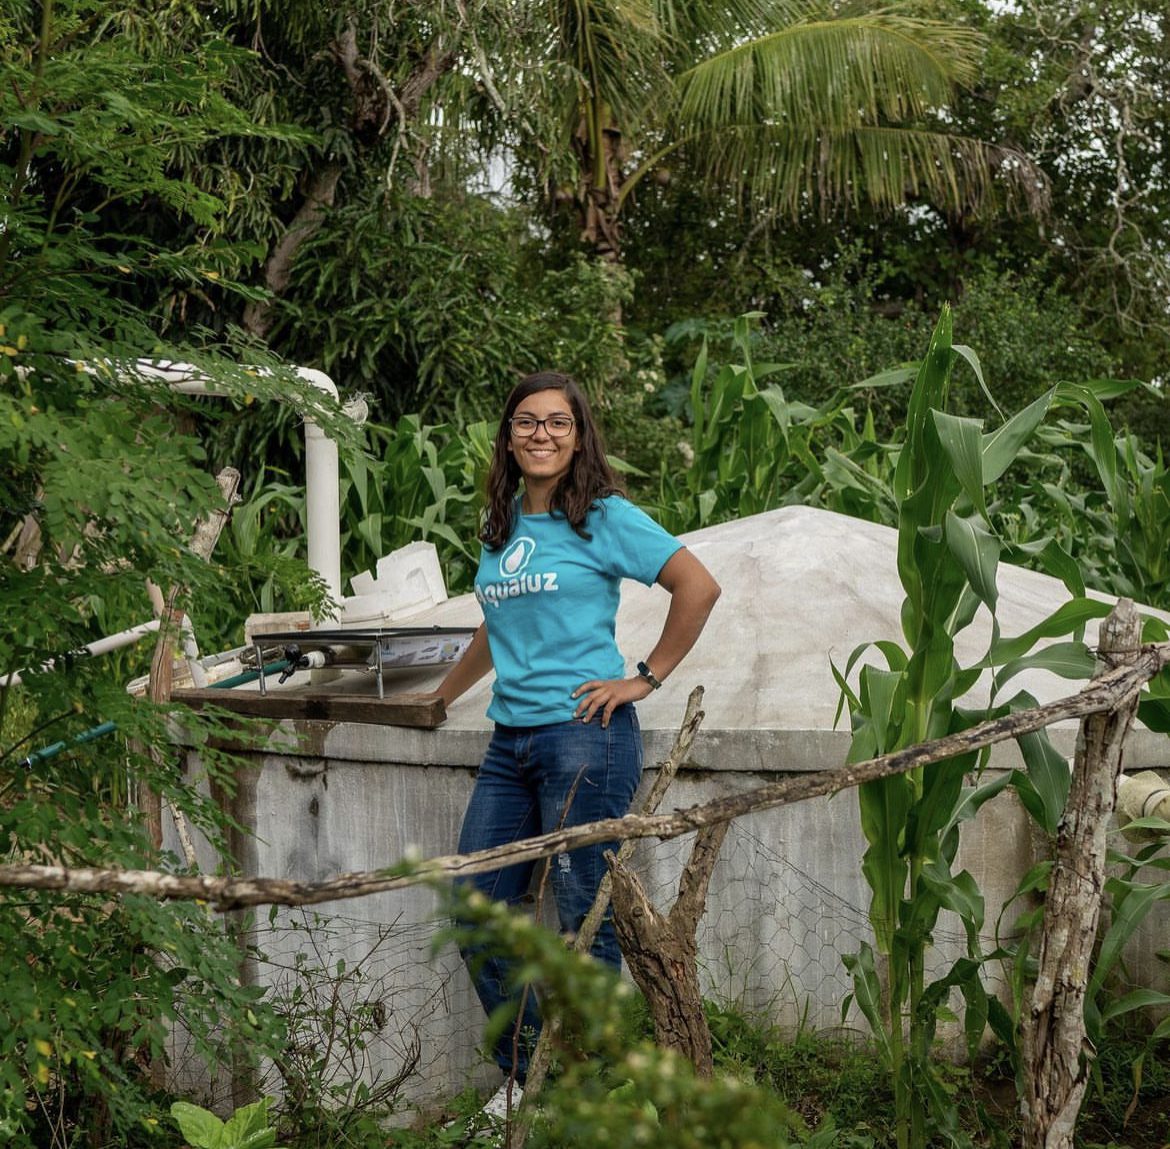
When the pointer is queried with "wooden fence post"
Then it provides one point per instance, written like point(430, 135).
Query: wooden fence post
point(1055, 1053)
point(207, 532)
point(662, 951)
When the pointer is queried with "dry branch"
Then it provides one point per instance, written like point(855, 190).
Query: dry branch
point(1056, 1055)
point(662, 949)
point(1103, 694)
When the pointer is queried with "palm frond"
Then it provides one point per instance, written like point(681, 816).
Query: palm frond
point(793, 171)
point(699, 28)
point(840, 74)
point(616, 49)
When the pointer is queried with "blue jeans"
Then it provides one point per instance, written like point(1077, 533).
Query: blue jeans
point(522, 789)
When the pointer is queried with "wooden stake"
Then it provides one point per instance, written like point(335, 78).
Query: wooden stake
point(662, 951)
point(1055, 1052)
point(207, 532)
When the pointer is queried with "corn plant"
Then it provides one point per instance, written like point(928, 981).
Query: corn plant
point(411, 481)
point(753, 449)
point(948, 557)
point(1119, 526)
point(417, 482)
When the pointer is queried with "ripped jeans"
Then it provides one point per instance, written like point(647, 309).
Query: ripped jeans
point(521, 790)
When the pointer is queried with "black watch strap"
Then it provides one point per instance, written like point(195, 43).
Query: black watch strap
point(648, 675)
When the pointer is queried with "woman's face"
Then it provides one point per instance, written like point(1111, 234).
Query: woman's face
point(544, 457)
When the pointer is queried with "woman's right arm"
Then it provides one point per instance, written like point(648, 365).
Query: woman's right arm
point(471, 667)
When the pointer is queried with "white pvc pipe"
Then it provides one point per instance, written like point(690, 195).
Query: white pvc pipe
point(124, 638)
point(322, 494)
point(322, 490)
point(98, 646)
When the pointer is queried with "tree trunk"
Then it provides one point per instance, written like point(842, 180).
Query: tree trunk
point(374, 107)
point(1055, 1051)
point(598, 144)
point(662, 951)
point(318, 199)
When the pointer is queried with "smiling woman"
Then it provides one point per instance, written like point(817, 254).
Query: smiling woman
point(558, 538)
point(544, 442)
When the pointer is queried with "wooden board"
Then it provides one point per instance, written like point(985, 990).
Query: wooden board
point(420, 710)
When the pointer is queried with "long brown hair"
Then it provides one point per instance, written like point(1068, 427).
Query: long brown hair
point(588, 479)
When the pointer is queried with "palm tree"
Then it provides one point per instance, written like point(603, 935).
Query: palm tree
point(798, 105)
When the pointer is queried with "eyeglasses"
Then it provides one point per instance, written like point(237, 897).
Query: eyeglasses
point(557, 426)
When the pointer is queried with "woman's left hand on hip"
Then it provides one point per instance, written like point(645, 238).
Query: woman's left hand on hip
point(605, 695)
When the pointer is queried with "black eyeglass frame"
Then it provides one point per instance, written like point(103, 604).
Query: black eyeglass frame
point(541, 423)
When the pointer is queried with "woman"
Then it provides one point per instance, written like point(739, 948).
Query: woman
point(558, 538)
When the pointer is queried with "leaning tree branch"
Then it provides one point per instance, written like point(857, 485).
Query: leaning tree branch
point(1103, 694)
point(374, 106)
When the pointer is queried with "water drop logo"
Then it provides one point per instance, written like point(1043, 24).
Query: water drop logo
point(517, 556)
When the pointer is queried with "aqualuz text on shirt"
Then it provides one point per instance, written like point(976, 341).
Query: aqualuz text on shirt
point(496, 592)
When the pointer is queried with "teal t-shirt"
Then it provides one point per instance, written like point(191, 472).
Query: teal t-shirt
point(550, 602)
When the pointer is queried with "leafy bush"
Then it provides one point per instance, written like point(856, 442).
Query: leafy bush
point(99, 491)
point(612, 1090)
point(438, 306)
point(840, 326)
point(247, 1128)
point(92, 985)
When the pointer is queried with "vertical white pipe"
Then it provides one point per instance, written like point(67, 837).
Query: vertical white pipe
point(322, 494)
point(323, 507)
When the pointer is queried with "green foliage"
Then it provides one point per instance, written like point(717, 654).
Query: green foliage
point(823, 1077)
point(93, 986)
point(1115, 521)
point(247, 1128)
point(948, 557)
point(754, 98)
point(412, 481)
point(750, 449)
point(1128, 1093)
point(262, 553)
point(146, 173)
point(843, 319)
point(611, 1090)
point(105, 491)
point(437, 306)
point(1093, 138)
point(1083, 92)
point(1117, 1013)
point(418, 482)
point(95, 119)
point(432, 307)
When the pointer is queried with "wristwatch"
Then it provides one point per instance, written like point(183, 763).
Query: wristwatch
point(648, 675)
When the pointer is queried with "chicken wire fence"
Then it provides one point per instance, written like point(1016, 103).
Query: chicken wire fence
point(379, 1007)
